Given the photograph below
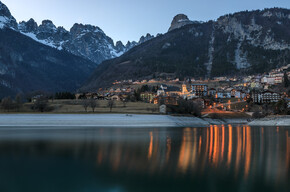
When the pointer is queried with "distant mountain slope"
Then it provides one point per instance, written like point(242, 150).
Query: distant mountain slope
point(244, 42)
point(26, 65)
point(49, 58)
point(87, 41)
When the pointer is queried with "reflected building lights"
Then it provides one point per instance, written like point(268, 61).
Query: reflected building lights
point(230, 145)
point(194, 145)
point(248, 151)
point(210, 144)
point(223, 143)
point(185, 150)
point(241, 151)
point(150, 149)
point(216, 146)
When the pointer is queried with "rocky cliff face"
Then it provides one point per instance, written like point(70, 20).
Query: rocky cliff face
point(86, 41)
point(178, 21)
point(6, 19)
point(242, 43)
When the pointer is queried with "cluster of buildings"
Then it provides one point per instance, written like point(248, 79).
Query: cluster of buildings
point(266, 81)
point(257, 88)
point(197, 92)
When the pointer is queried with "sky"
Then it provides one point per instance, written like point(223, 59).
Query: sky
point(130, 19)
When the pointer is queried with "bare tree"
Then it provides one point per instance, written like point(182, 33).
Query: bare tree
point(86, 104)
point(93, 104)
point(7, 103)
point(18, 101)
point(189, 107)
point(196, 108)
point(41, 104)
point(111, 104)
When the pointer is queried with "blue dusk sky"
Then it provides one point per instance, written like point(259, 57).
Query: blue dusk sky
point(130, 19)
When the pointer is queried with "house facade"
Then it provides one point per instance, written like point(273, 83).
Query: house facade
point(265, 97)
point(200, 90)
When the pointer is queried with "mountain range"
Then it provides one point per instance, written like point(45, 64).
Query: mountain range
point(49, 58)
point(243, 43)
point(87, 41)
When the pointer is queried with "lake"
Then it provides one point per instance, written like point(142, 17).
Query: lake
point(113, 159)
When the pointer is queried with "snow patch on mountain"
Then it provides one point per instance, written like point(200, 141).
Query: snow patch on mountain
point(83, 40)
point(45, 42)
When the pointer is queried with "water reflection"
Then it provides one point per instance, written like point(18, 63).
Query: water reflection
point(227, 154)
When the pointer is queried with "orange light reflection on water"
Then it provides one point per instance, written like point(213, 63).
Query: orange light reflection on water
point(248, 151)
point(240, 150)
point(150, 149)
point(230, 145)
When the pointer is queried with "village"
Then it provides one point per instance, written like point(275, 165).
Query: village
point(216, 95)
point(249, 96)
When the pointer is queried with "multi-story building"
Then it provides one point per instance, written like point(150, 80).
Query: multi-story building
point(266, 97)
point(200, 90)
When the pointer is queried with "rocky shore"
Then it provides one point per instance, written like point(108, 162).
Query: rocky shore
point(272, 121)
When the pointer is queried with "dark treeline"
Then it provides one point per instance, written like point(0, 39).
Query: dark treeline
point(12, 104)
point(186, 107)
point(64, 95)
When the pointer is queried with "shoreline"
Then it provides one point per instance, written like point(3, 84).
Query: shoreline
point(127, 120)
point(283, 120)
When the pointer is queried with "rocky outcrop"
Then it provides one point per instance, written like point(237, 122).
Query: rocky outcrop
point(87, 41)
point(28, 27)
point(143, 39)
point(179, 20)
point(6, 19)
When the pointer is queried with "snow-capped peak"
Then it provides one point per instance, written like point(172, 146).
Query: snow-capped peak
point(6, 19)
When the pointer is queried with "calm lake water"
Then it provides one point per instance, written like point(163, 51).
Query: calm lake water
point(216, 158)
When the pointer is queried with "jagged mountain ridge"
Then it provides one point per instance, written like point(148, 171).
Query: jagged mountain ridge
point(6, 19)
point(50, 58)
point(244, 42)
point(27, 65)
point(87, 41)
